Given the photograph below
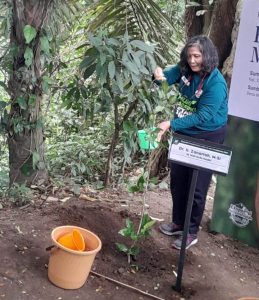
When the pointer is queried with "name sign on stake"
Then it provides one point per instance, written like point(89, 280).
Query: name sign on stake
point(200, 154)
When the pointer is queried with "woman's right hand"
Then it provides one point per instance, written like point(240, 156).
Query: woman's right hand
point(159, 74)
point(164, 127)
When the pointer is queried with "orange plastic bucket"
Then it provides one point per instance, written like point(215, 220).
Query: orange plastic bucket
point(70, 268)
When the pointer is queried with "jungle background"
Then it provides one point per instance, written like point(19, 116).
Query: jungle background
point(76, 85)
point(76, 82)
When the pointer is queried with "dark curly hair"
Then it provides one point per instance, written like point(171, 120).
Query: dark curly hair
point(209, 53)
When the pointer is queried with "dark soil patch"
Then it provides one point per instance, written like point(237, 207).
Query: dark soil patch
point(218, 268)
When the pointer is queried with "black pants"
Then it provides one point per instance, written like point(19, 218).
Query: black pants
point(180, 183)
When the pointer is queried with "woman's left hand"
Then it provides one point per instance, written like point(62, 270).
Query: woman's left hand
point(164, 126)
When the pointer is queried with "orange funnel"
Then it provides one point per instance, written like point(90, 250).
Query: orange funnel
point(73, 240)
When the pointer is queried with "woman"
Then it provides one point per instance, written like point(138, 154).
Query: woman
point(201, 112)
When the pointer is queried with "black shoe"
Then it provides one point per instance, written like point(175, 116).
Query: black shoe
point(171, 229)
point(191, 240)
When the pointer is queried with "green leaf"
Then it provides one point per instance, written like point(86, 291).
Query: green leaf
point(144, 70)
point(129, 223)
point(145, 219)
point(111, 69)
point(82, 168)
point(136, 59)
point(46, 81)
point(134, 236)
point(29, 33)
point(89, 71)
point(3, 104)
point(119, 82)
point(3, 85)
point(125, 232)
point(22, 102)
point(28, 56)
point(122, 247)
point(63, 65)
point(26, 170)
point(44, 44)
point(134, 251)
point(84, 92)
point(163, 60)
point(102, 58)
point(133, 189)
point(126, 36)
point(103, 75)
point(153, 180)
point(142, 46)
point(141, 181)
point(158, 109)
point(35, 159)
point(130, 66)
point(31, 100)
point(152, 61)
point(113, 41)
point(95, 41)
point(128, 125)
point(164, 88)
point(73, 171)
point(87, 62)
point(148, 225)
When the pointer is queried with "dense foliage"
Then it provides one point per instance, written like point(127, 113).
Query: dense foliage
point(94, 89)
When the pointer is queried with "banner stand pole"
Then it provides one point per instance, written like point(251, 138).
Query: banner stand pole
point(178, 284)
point(198, 155)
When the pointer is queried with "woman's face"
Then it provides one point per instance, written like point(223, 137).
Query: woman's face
point(194, 58)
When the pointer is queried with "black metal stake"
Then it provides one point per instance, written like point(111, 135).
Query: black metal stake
point(178, 284)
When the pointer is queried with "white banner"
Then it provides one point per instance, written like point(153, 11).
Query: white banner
point(244, 89)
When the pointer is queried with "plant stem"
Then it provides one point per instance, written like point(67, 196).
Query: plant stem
point(143, 204)
point(129, 258)
point(145, 193)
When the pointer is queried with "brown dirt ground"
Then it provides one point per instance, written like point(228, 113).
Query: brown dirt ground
point(217, 268)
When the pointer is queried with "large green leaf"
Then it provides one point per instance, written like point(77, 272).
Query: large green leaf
point(29, 33)
point(44, 44)
point(28, 56)
point(3, 85)
point(32, 100)
point(122, 247)
point(87, 62)
point(111, 69)
point(143, 46)
point(22, 102)
point(46, 82)
point(89, 71)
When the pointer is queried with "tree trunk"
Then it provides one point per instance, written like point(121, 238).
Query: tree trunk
point(112, 145)
point(158, 162)
point(228, 64)
point(25, 134)
point(117, 128)
point(217, 23)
